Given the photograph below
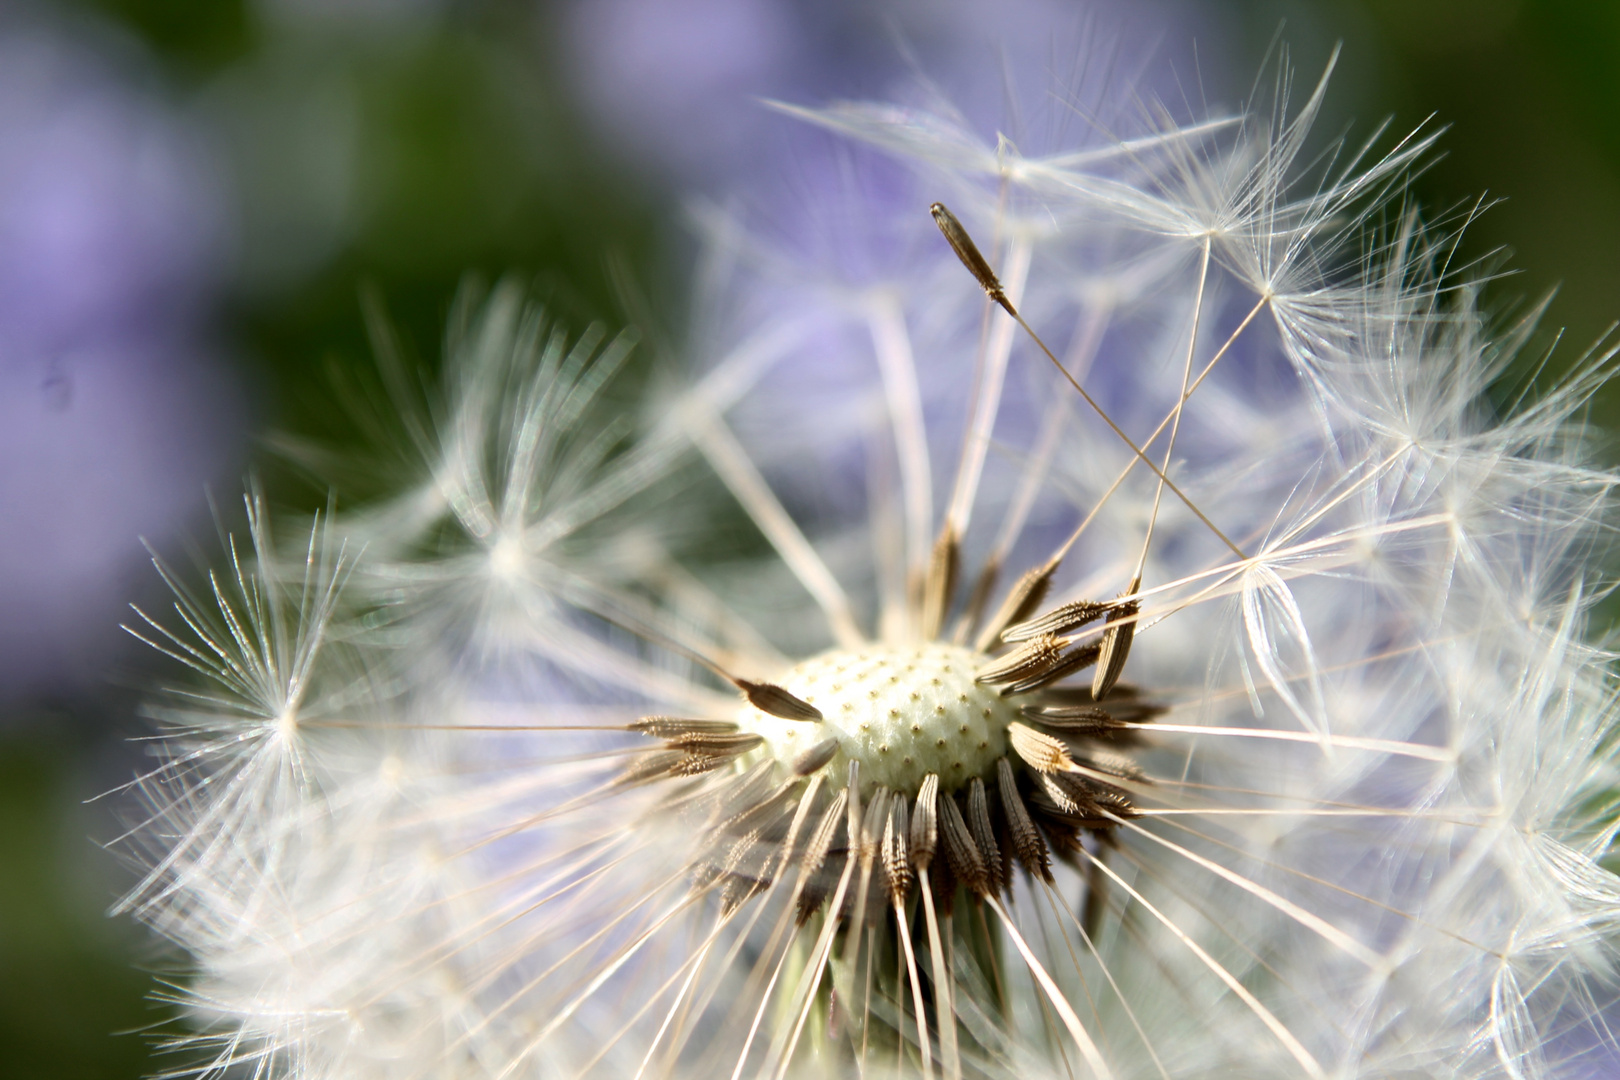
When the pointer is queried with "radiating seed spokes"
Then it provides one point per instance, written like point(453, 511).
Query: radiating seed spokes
point(887, 785)
point(1052, 779)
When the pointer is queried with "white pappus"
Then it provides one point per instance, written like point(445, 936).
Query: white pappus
point(1099, 628)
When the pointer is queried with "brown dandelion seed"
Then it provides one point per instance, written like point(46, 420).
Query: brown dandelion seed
point(968, 252)
point(925, 824)
point(1027, 845)
point(1061, 620)
point(815, 758)
point(1022, 599)
point(1040, 751)
point(983, 829)
point(1086, 720)
point(1035, 657)
point(664, 727)
point(896, 855)
point(966, 861)
point(943, 566)
point(1116, 646)
point(772, 699)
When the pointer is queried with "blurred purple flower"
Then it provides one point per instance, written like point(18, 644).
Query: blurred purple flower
point(647, 70)
point(675, 85)
point(111, 418)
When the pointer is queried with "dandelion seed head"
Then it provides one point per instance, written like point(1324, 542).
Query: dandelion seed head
point(1215, 705)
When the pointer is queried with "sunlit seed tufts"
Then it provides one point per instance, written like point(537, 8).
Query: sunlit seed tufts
point(1325, 789)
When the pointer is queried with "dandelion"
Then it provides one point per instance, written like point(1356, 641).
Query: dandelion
point(1101, 631)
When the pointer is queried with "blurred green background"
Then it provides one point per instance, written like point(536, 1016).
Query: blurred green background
point(462, 151)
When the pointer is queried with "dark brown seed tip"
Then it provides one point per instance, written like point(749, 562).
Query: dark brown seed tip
point(984, 832)
point(651, 766)
point(968, 252)
point(1061, 620)
point(1079, 657)
point(877, 813)
point(770, 698)
point(726, 746)
point(1041, 752)
point(944, 564)
point(1032, 658)
point(896, 859)
point(1028, 847)
point(813, 759)
point(925, 823)
point(962, 853)
point(1116, 646)
point(667, 727)
point(1075, 719)
point(1022, 600)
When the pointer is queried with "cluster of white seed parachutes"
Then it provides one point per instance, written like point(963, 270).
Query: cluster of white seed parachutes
point(1232, 717)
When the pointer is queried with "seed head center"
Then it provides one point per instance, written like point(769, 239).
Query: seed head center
point(901, 712)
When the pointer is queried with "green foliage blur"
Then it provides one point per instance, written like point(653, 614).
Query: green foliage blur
point(424, 148)
point(397, 149)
